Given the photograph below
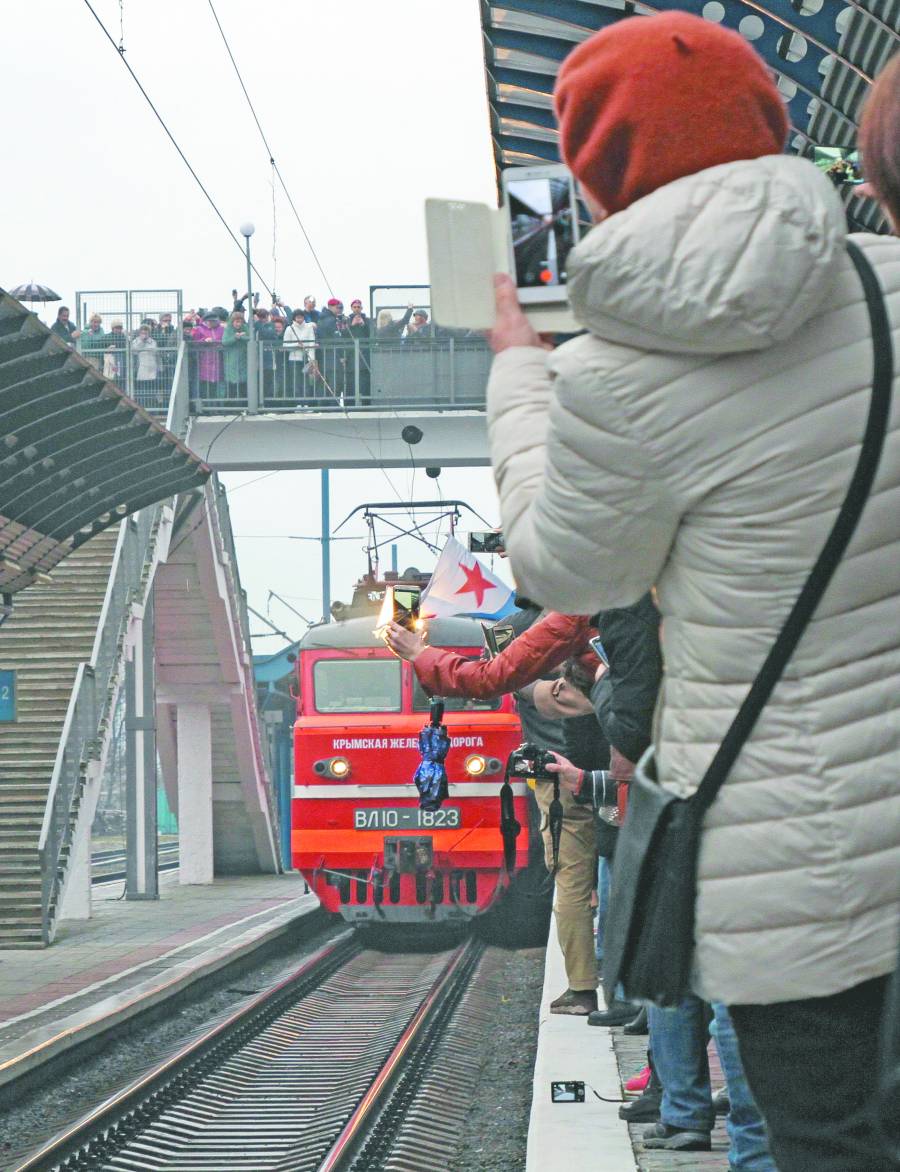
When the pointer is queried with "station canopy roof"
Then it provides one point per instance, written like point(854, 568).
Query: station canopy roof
point(823, 53)
point(76, 454)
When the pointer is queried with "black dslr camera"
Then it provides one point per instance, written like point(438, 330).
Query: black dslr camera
point(530, 761)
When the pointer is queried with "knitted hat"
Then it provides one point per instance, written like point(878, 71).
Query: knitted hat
point(653, 98)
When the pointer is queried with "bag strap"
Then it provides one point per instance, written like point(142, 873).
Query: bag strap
point(834, 548)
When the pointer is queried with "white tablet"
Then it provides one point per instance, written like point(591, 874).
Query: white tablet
point(529, 237)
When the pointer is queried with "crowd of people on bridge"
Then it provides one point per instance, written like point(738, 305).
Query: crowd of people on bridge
point(304, 352)
point(667, 480)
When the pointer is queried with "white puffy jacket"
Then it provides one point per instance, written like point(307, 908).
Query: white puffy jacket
point(701, 439)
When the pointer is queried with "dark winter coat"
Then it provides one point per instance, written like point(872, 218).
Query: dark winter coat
point(624, 699)
point(330, 327)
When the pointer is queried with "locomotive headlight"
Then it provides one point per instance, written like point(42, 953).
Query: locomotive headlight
point(337, 767)
point(475, 765)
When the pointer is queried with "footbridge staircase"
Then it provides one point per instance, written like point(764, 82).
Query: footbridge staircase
point(69, 641)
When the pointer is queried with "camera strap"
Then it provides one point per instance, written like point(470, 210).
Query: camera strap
point(555, 821)
point(509, 826)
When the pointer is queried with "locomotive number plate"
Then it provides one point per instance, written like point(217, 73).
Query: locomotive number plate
point(405, 818)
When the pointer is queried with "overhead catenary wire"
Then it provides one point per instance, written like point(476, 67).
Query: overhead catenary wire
point(120, 53)
point(270, 152)
point(378, 463)
point(277, 172)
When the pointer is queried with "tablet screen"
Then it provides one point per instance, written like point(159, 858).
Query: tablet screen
point(542, 221)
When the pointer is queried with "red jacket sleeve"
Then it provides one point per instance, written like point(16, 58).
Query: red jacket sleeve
point(542, 647)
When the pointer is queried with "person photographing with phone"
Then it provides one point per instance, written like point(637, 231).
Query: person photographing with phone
point(717, 452)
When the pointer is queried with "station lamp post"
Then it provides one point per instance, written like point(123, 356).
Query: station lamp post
point(247, 230)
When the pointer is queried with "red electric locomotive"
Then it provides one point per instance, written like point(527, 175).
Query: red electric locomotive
point(358, 835)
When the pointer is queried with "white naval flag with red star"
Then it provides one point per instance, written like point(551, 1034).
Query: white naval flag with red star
point(460, 585)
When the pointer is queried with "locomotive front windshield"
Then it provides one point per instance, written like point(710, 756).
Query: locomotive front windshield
point(354, 685)
point(422, 701)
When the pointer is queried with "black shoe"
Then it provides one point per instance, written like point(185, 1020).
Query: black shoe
point(721, 1102)
point(639, 1025)
point(618, 1013)
point(676, 1139)
point(645, 1109)
point(578, 1003)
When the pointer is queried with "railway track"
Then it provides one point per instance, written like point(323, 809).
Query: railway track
point(109, 866)
point(358, 1061)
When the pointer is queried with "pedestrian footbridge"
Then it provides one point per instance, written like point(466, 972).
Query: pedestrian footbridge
point(350, 411)
point(146, 613)
point(153, 610)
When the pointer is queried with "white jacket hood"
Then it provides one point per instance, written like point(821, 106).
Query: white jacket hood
point(733, 258)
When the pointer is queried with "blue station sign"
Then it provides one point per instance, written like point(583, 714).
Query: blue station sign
point(7, 696)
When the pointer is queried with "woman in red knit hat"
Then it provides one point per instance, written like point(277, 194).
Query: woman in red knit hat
point(700, 437)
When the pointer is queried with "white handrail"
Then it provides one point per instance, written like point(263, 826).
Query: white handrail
point(60, 754)
point(108, 596)
point(88, 704)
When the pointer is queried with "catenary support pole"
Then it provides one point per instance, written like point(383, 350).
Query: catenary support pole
point(326, 548)
point(141, 843)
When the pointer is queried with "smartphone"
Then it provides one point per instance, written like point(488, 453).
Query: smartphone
point(486, 541)
point(496, 637)
point(597, 648)
point(406, 606)
point(840, 164)
point(542, 213)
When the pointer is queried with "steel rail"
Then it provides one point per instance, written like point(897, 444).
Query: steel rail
point(323, 1028)
point(428, 1019)
point(132, 1108)
point(168, 861)
point(120, 876)
point(100, 858)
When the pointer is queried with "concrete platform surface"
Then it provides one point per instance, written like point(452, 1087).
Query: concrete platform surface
point(589, 1136)
point(132, 955)
point(574, 1137)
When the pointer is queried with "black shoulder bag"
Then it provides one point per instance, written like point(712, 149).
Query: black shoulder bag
point(649, 940)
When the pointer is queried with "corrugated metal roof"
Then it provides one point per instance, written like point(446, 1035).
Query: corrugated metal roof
point(76, 454)
point(824, 54)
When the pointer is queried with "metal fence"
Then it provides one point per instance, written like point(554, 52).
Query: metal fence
point(441, 373)
point(110, 322)
point(143, 365)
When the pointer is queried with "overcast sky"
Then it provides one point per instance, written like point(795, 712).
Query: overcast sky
point(368, 107)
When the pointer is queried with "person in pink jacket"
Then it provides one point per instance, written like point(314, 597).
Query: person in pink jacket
point(208, 338)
